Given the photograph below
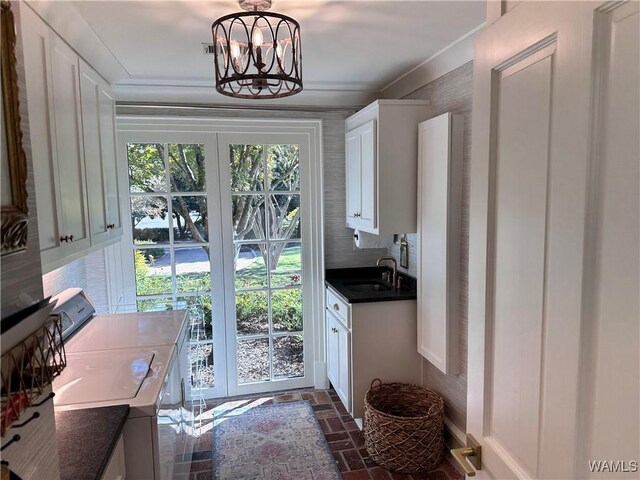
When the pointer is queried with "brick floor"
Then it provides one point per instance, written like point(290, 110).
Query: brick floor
point(345, 440)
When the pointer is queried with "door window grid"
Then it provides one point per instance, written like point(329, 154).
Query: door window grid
point(168, 190)
point(272, 336)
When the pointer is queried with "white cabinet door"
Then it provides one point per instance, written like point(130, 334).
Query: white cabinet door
point(553, 260)
point(332, 350)
point(98, 109)
point(107, 107)
point(361, 173)
point(339, 359)
point(37, 64)
point(94, 161)
point(344, 366)
point(353, 178)
point(74, 228)
point(439, 200)
point(368, 176)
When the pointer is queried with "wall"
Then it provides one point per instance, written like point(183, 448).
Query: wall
point(21, 272)
point(36, 452)
point(338, 239)
point(451, 93)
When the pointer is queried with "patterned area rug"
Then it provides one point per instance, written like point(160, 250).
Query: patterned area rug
point(282, 441)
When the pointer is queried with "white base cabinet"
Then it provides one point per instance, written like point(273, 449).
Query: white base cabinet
point(366, 341)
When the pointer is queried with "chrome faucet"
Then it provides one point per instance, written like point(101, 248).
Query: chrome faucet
point(394, 281)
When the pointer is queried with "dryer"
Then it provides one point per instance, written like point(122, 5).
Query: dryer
point(139, 359)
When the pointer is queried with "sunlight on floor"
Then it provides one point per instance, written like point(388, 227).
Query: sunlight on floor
point(205, 422)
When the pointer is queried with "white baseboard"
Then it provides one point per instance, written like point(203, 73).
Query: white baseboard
point(320, 379)
point(456, 433)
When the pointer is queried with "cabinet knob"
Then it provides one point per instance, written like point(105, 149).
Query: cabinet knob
point(67, 238)
point(336, 307)
point(111, 226)
point(334, 329)
point(71, 238)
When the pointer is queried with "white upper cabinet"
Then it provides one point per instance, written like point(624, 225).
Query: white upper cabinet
point(107, 107)
point(360, 168)
point(99, 149)
point(73, 146)
point(56, 139)
point(440, 142)
point(381, 162)
point(97, 193)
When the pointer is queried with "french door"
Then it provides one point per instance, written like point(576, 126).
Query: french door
point(221, 225)
point(266, 221)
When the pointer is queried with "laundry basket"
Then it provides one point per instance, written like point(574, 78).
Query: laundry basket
point(403, 426)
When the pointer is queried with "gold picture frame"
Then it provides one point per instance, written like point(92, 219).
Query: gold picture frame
point(15, 211)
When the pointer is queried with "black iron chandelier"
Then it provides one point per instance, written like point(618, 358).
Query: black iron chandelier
point(257, 53)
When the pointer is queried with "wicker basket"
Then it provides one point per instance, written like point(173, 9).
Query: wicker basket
point(403, 427)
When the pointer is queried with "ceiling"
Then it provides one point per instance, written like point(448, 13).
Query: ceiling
point(359, 46)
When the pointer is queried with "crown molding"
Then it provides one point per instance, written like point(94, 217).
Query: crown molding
point(206, 94)
point(446, 60)
point(67, 22)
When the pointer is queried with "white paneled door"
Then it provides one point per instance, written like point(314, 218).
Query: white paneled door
point(553, 268)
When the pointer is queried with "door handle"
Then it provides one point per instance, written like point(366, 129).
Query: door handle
point(473, 451)
point(182, 393)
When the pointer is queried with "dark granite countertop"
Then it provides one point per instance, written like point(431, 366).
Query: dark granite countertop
point(86, 438)
point(340, 278)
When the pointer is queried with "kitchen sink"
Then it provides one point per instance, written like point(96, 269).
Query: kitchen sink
point(367, 286)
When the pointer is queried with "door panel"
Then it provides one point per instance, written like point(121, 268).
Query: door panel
point(354, 187)
point(613, 252)
point(66, 107)
point(108, 139)
point(332, 351)
point(532, 97)
point(94, 162)
point(520, 211)
point(369, 175)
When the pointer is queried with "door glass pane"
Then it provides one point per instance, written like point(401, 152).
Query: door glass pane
point(186, 167)
point(247, 168)
point(190, 222)
point(284, 216)
point(288, 357)
point(283, 167)
point(248, 217)
point(200, 315)
point(251, 270)
point(286, 310)
point(153, 271)
point(253, 360)
point(193, 270)
point(286, 262)
point(154, 304)
point(146, 168)
point(201, 359)
point(252, 313)
point(149, 219)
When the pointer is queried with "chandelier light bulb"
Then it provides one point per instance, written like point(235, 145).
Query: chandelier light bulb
point(258, 38)
point(235, 50)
